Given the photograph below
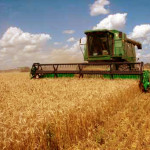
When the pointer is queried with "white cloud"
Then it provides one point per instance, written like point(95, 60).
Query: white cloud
point(115, 21)
point(141, 33)
point(68, 55)
point(68, 31)
point(138, 55)
point(57, 43)
point(18, 48)
point(15, 36)
point(30, 48)
point(98, 7)
point(66, 46)
point(72, 39)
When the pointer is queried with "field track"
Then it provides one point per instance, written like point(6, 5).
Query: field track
point(72, 113)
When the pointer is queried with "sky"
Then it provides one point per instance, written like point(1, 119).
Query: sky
point(48, 31)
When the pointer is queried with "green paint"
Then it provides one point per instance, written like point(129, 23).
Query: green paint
point(32, 72)
point(58, 75)
point(118, 47)
point(146, 80)
point(122, 76)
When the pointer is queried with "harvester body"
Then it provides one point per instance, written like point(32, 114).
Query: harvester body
point(109, 53)
point(109, 45)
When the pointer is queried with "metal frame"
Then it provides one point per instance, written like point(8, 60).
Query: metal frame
point(81, 72)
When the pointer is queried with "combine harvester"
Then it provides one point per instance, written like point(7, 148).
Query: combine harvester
point(108, 53)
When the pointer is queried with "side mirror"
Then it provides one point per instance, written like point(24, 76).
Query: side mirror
point(80, 41)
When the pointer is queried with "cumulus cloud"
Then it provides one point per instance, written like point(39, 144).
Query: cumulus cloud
point(66, 46)
point(18, 48)
point(98, 7)
point(68, 31)
point(115, 21)
point(68, 54)
point(15, 36)
point(57, 43)
point(72, 39)
point(141, 33)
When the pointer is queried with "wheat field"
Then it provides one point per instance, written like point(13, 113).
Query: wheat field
point(72, 114)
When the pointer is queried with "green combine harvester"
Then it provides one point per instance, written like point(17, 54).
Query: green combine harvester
point(108, 54)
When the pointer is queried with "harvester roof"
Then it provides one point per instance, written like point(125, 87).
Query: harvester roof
point(101, 30)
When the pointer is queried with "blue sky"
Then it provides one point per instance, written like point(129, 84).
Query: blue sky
point(54, 16)
point(29, 28)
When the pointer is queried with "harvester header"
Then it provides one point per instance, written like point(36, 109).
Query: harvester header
point(108, 54)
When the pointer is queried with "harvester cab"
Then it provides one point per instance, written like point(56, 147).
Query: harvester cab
point(110, 46)
point(98, 46)
point(108, 54)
